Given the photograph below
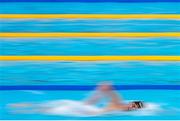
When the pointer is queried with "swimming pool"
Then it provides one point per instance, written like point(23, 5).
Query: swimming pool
point(166, 109)
point(88, 73)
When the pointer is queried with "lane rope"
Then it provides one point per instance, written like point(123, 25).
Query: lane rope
point(89, 35)
point(90, 16)
point(89, 58)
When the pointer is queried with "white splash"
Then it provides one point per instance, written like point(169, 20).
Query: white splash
point(80, 109)
point(70, 108)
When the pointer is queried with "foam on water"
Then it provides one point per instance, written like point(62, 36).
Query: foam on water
point(71, 108)
point(80, 109)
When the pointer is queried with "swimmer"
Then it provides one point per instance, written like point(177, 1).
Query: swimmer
point(102, 91)
point(106, 90)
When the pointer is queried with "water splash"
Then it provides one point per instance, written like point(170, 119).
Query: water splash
point(80, 109)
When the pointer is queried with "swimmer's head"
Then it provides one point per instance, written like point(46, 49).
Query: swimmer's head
point(136, 105)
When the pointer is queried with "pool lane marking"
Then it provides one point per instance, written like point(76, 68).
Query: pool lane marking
point(90, 16)
point(93, 1)
point(87, 87)
point(89, 58)
point(88, 35)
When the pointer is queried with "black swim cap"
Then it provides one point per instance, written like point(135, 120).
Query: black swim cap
point(139, 104)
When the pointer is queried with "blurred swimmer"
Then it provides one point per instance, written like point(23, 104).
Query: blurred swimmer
point(106, 90)
point(102, 91)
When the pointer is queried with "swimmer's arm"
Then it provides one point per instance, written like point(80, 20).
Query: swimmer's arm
point(104, 93)
point(94, 98)
point(20, 105)
point(116, 107)
point(97, 95)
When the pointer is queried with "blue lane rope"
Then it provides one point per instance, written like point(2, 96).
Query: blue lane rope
point(87, 87)
point(90, 1)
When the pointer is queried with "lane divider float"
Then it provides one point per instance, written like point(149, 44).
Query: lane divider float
point(89, 58)
point(90, 16)
point(89, 34)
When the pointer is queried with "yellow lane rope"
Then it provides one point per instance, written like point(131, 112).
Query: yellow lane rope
point(90, 16)
point(89, 58)
point(90, 34)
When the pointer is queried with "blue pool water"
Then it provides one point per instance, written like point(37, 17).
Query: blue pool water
point(167, 105)
point(90, 46)
point(89, 73)
point(165, 102)
point(101, 8)
point(76, 25)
